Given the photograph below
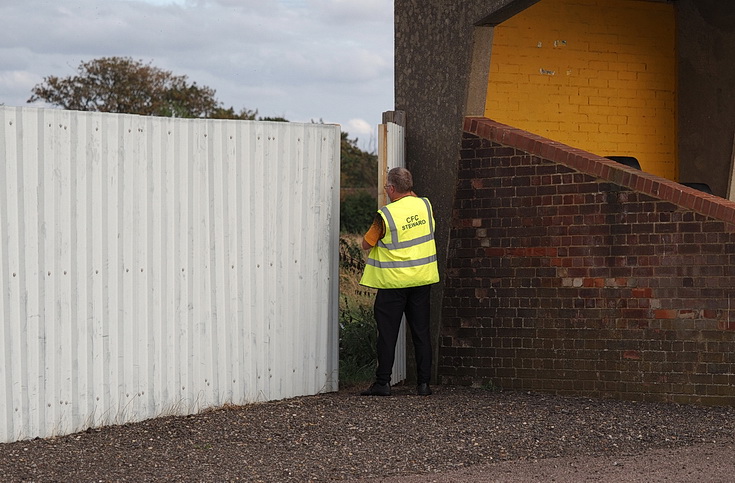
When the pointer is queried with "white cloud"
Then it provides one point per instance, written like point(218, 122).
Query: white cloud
point(301, 59)
point(163, 2)
point(351, 11)
point(360, 127)
point(16, 81)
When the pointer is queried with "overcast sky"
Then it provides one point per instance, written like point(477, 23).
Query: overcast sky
point(300, 59)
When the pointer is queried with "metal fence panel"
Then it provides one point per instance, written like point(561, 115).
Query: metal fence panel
point(156, 266)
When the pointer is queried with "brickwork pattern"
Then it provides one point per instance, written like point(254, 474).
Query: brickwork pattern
point(598, 74)
point(571, 274)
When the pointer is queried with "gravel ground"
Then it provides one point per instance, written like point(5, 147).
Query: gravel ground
point(457, 434)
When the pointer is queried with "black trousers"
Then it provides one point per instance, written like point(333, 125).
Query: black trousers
point(390, 305)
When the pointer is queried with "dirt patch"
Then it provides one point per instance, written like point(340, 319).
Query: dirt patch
point(458, 433)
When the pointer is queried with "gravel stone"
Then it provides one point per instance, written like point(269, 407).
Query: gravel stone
point(458, 433)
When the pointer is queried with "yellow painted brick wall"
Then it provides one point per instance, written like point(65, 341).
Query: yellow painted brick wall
point(595, 74)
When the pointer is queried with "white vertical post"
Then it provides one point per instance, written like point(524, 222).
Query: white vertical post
point(391, 154)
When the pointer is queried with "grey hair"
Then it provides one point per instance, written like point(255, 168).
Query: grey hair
point(400, 179)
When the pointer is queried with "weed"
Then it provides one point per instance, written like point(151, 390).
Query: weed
point(491, 387)
point(357, 329)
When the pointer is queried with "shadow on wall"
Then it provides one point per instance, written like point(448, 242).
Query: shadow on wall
point(632, 162)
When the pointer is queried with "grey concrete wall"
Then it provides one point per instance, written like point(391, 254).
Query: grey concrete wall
point(706, 76)
point(433, 58)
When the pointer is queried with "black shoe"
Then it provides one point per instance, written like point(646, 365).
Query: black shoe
point(423, 389)
point(377, 389)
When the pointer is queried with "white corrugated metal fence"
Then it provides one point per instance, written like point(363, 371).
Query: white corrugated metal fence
point(155, 266)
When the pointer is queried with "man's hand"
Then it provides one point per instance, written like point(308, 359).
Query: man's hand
point(366, 245)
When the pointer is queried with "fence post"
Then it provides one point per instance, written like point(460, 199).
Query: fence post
point(392, 154)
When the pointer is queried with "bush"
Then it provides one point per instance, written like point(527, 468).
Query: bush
point(357, 212)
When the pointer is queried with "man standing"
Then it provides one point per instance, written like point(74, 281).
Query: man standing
point(402, 266)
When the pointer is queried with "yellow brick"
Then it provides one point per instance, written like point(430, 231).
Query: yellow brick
point(608, 129)
point(600, 82)
point(510, 106)
point(645, 128)
point(578, 100)
point(598, 66)
point(597, 119)
point(579, 139)
point(613, 83)
point(505, 78)
point(632, 146)
point(634, 103)
point(576, 81)
point(491, 106)
point(566, 126)
point(575, 61)
point(655, 80)
point(587, 109)
point(558, 99)
point(588, 127)
point(589, 91)
point(632, 58)
point(617, 119)
point(609, 74)
point(606, 111)
point(620, 84)
point(662, 105)
point(599, 100)
point(508, 68)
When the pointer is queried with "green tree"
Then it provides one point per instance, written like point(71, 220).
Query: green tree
point(124, 85)
point(273, 119)
point(359, 169)
point(359, 179)
point(356, 213)
point(229, 113)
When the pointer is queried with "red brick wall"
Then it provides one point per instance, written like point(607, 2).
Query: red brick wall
point(573, 274)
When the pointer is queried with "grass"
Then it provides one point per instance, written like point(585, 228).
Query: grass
point(357, 330)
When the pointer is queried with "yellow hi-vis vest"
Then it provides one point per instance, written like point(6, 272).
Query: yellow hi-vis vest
point(406, 255)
